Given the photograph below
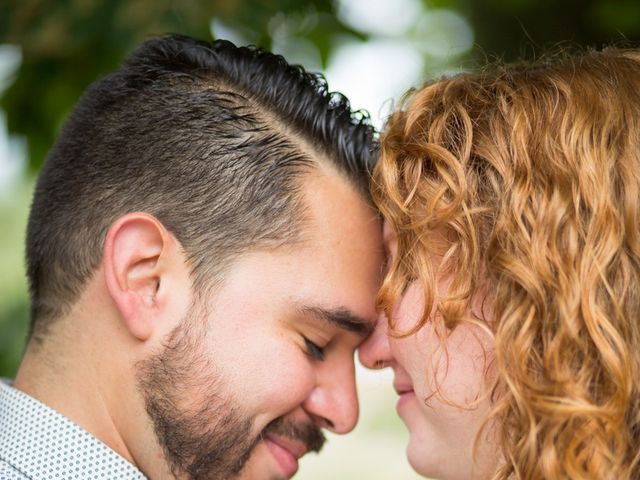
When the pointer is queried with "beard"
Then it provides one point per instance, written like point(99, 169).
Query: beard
point(203, 432)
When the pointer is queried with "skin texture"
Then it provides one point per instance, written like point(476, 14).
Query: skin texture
point(235, 357)
point(443, 398)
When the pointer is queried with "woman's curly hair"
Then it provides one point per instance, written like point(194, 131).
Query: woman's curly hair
point(532, 174)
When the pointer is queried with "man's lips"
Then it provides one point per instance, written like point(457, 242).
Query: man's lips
point(286, 451)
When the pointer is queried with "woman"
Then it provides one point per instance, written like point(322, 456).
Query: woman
point(512, 206)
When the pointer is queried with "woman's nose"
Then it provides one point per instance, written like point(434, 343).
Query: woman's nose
point(374, 352)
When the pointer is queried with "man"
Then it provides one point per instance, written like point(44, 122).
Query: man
point(203, 261)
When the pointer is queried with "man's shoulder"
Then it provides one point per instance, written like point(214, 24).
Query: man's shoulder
point(42, 443)
point(8, 472)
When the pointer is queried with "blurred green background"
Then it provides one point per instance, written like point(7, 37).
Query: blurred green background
point(371, 50)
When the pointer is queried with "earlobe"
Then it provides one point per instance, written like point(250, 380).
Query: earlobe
point(132, 261)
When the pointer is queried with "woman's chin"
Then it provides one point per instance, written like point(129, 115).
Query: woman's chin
point(420, 454)
point(430, 460)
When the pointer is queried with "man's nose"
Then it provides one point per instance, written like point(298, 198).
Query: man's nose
point(333, 403)
point(375, 352)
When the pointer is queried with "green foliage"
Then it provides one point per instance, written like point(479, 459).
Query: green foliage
point(13, 325)
point(68, 44)
point(13, 285)
point(524, 29)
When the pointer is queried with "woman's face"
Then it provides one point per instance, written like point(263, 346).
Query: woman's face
point(443, 397)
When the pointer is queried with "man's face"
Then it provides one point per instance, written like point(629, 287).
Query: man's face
point(246, 381)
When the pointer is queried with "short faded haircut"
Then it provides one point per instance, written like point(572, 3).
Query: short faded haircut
point(210, 138)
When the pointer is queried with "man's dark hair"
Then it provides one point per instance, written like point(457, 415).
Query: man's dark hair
point(210, 138)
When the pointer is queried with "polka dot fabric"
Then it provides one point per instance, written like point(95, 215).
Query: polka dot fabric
point(38, 443)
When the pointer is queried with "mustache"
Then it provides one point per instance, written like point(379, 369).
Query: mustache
point(307, 433)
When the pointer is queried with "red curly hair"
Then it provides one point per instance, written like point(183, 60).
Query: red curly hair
point(533, 173)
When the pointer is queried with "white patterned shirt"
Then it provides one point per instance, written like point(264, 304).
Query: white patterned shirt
point(38, 443)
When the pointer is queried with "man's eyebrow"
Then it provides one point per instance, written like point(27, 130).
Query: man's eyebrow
point(341, 318)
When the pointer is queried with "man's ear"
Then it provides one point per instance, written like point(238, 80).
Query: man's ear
point(137, 255)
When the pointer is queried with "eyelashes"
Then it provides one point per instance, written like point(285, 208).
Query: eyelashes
point(314, 350)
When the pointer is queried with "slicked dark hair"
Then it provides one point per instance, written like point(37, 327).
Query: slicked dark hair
point(210, 138)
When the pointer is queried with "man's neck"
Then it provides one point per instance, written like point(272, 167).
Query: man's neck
point(94, 386)
point(69, 383)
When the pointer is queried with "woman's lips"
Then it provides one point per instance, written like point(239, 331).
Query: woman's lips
point(286, 453)
point(404, 398)
point(405, 393)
